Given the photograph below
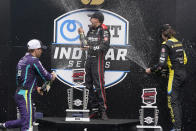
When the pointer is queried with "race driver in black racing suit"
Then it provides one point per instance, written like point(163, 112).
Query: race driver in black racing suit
point(174, 57)
point(97, 43)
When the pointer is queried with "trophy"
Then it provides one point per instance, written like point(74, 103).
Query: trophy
point(77, 97)
point(148, 114)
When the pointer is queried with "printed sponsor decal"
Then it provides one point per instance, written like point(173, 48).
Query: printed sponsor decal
point(149, 96)
point(78, 76)
point(92, 2)
point(163, 50)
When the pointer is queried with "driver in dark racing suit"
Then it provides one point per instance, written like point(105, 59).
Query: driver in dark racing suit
point(174, 57)
point(97, 43)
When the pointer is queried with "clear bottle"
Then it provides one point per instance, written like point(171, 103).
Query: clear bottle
point(17, 113)
point(83, 40)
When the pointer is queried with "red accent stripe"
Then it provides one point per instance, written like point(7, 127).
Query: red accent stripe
point(103, 80)
point(103, 77)
point(104, 26)
point(92, 115)
point(102, 89)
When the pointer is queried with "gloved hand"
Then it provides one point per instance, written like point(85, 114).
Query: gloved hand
point(46, 86)
point(165, 73)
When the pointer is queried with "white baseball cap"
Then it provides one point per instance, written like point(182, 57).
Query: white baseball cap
point(35, 44)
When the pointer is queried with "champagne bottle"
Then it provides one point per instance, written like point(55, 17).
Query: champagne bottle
point(83, 40)
point(17, 113)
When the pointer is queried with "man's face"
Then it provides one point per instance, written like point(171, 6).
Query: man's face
point(95, 22)
point(38, 52)
point(163, 37)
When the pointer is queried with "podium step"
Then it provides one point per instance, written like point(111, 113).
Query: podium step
point(149, 128)
point(35, 128)
point(59, 124)
point(14, 129)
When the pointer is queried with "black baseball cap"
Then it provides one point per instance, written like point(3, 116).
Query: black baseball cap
point(97, 15)
point(164, 27)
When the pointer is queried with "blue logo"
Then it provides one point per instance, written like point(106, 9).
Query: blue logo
point(71, 27)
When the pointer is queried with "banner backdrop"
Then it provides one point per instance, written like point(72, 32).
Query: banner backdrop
point(135, 44)
point(66, 52)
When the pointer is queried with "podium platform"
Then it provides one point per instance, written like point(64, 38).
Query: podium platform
point(14, 129)
point(35, 128)
point(149, 128)
point(59, 124)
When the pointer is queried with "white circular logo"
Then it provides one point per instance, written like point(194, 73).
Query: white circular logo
point(77, 102)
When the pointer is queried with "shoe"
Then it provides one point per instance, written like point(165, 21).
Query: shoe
point(176, 130)
point(2, 126)
point(35, 124)
point(94, 114)
point(104, 116)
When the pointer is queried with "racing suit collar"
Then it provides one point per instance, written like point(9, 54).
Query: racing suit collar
point(173, 39)
point(29, 54)
point(95, 28)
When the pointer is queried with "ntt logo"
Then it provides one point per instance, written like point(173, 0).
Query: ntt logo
point(71, 26)
point(67, 55)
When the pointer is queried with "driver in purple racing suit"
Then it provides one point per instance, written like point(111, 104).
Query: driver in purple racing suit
point(27, 70)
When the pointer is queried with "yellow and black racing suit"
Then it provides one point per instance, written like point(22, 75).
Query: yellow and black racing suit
point(174, 57)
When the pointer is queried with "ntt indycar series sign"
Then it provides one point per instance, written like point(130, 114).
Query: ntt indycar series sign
point(67, 55)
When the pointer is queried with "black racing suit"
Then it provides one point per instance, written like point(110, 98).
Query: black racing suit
point(99, 41)
point(174, 57)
